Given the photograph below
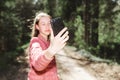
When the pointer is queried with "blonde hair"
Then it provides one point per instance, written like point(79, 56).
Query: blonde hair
point(35, 32)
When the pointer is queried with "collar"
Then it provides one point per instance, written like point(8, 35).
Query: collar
point(47, 42)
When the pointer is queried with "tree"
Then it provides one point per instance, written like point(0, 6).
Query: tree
point(10, 30)
point(10, 33)
point(91, 22)
point(87, 20)
point(25, 11)
point(95, 23)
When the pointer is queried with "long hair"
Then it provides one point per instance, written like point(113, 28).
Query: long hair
point(35, 32)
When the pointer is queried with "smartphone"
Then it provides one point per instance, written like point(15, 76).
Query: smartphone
point(57, 25)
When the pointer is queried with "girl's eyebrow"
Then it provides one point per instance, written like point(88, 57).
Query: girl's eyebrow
point(42, 22)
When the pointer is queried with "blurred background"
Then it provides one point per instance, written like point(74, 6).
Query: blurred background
point(94, 25)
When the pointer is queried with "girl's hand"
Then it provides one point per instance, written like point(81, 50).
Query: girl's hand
point(59, 41)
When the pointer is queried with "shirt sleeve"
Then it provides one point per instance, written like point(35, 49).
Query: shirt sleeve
point(38, 59)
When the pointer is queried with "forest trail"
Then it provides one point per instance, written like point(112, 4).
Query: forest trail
point(69, 69)
point(71, 66)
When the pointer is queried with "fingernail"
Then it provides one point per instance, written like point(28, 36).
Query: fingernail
point(67, 32)
point(65, 27)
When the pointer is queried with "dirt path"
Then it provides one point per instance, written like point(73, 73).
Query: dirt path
point(71, 66)
point(68, 68)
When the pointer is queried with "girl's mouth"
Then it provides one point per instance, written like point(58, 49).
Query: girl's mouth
point(47, 30)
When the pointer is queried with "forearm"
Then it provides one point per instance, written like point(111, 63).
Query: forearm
point(41, 62)
point(41, 59)
point(49, 54)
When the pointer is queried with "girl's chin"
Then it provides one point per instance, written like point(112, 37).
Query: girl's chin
point(47, 33)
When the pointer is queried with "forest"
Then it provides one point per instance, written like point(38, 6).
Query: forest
point(93, 26)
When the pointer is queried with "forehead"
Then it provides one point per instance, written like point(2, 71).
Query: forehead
point(45, 19)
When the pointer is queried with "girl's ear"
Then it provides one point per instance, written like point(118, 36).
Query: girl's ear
point(37, 27)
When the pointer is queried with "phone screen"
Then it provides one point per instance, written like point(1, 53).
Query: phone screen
point(57, 25)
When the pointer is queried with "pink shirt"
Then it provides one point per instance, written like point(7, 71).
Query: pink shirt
point(41, 68)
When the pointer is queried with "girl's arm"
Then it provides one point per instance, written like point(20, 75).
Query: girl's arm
point(39, 58)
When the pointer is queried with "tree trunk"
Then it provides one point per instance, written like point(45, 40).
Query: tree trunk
point(87, 20)
point(91, 22)
point(94, 23)
point(51, 6)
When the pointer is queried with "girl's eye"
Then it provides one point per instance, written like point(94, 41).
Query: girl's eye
point(48, 23)
point(43, 23)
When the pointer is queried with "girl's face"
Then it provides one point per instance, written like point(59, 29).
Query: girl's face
point(44, 26)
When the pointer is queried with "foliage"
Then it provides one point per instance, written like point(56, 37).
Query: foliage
point(109, 32)
point(10, 27)
point(17, 18)
point(79, 33)
point(109, 27)
point(25, 11)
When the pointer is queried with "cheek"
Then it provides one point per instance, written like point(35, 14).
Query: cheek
point(42, 28)
point(50, 26)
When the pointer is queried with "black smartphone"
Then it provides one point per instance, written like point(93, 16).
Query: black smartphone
point(57, 25)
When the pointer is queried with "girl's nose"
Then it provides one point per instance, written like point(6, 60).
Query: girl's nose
point(49, 26)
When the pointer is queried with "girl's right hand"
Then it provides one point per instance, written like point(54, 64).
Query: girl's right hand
point(59, 41)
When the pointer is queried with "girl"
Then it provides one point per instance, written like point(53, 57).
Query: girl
point(43, 47)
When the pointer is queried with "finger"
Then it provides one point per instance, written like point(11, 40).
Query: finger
point(64, 44)
point(66, 39)
point(51, 34)
point(62, 31)
point(64, 35)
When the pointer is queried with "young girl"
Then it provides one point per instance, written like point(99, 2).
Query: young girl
point(43, 47)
